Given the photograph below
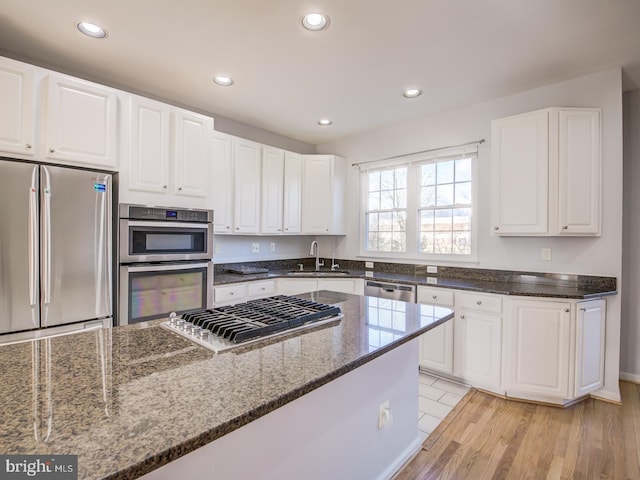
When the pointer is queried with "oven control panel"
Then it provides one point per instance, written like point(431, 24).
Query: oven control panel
point(139, 212)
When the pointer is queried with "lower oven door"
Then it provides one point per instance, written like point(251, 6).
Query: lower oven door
point(150, 291)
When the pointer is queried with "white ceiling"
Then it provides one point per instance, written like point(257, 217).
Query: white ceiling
point(459, 52)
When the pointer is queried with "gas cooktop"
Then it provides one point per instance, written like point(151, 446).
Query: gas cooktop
point(225, 328)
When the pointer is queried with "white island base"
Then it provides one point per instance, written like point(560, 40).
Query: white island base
point(330, 433)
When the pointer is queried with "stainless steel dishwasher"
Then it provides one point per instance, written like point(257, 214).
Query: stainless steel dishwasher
point(394, 291)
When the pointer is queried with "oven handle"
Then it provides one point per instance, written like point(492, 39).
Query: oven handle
point(135, 223)
point(164, 268)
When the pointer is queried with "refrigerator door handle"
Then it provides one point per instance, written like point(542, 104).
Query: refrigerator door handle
point(33, 238)
point(46, 243)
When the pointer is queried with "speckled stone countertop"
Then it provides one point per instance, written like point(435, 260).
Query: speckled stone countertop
point(488, 281)
point(130, 399)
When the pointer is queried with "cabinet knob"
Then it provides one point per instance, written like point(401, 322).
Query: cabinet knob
point(462, 317)
point(28, 145)
point(164, 186)
point(496, 228)
point(565, 227)
point(231, 294)
point(227, 227)
point(179, 188)
point(51, 150)
point(237, 228)
point(326, 230)
point(434, 296)
point(479, 302)
point(583, 309)
point(566, 310)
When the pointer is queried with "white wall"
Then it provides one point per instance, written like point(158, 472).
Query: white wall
point(238, 248)
point(630, 345)
point(595, 256)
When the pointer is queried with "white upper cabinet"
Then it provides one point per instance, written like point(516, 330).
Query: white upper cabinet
point(222, 182)
point(292, 209)
point(81, 122)
point(149, 146)
point(579, 172)
point(546, 173)
point(17, 115)
point(247, 156)
point(191, 152)
point(272, 190)
point(324, 181)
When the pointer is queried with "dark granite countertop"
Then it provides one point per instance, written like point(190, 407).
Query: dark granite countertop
point(130, 399)
point(502, 283)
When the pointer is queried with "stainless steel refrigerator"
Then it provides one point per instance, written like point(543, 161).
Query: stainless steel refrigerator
point(55, 248)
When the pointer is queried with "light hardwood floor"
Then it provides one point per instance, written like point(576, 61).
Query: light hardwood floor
point(486, 437)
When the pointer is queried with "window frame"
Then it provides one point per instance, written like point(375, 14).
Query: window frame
point(414, 163)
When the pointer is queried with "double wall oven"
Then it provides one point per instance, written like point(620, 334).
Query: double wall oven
point(165, 262)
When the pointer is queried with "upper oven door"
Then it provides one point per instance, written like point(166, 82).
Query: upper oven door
point(148, 241)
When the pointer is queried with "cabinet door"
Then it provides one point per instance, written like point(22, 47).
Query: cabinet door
point(292, 208)
point(590, 330)
point(261, 289)
point(520, 169)
point(222, 182)
point(81, 122)
point(191, 153)
point(579, 172)
point(294, 286)
point(272, 190)
point(17, 115)
point(540, 348)
point(149, 146)
point(317, 194)
point(230, 294)
point(436, 346)
point(478, 349)
point(354, 286)
point(246, 167)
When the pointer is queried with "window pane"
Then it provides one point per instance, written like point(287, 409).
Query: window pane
point(444, 195)
point(429, 174)
point(426, 220)
point(399, 241)
point(428, 197)
point(386, 180)
point(463, 170)
point(443, 220)
point(401, 178)
point(385, 222)
point(374, 181)
point(399, 221)
point(462, 219)
point(374, 201)
point(442, 242)
point(372, 222)
point(463, 193)
point(426, 243)
point(445, 172)
point(401, 198)
point(384, 243)
point(462, 243)
point(386, 200)
point(372, 241)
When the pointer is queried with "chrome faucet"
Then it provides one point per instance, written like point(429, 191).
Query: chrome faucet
point(316, 251)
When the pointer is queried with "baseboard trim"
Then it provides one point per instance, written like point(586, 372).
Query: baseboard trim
point(404, 458)
point(630, 377)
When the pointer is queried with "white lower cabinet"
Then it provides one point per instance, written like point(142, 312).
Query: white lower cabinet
point(539, 349)
point(436, 346)
point(556, 349)
point(261, 289)
point(229, 294)
point(478, 340)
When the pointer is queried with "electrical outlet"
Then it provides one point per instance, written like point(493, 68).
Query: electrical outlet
point(432, 281)
point(255, 248)
point(384, 415)
point(546, 254)
point(368, 274)
point(368, 264)
point(432, 269)
point(272, 247)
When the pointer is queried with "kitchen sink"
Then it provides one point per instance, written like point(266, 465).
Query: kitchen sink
point(321, 273)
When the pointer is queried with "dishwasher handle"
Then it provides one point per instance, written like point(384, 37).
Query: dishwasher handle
point(390, 287)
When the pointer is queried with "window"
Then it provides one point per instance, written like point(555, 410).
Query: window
point(422, 207)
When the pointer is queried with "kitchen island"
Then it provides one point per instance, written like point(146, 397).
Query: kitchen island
point(138, 399)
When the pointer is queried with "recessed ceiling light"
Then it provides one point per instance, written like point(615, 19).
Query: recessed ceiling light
point(315, 21)
point(223, 80)
point(91, 30)
point(324, 122)
point(412, 92)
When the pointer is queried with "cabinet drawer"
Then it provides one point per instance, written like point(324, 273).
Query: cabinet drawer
point(230, 292)
point(435, 296)
point(482, 302)
point(261, 289)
